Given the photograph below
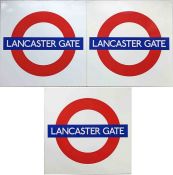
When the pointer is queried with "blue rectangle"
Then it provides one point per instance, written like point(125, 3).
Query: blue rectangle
point(42, 43)
point(129, 43)
point(63, 131)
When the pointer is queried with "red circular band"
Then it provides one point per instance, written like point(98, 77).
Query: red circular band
point(24, 62)
point(151, 58)
point(87, 104)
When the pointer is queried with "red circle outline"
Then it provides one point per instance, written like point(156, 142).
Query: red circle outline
point(85, 104)
point(150, 59)
point(24, 62)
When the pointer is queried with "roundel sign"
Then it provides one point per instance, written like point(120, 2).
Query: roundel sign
point(18, 43)
point(113, 130)
point(153, 43)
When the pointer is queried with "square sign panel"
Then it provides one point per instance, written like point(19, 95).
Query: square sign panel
point(43, 43)
point(87, 131)
point(130, 43)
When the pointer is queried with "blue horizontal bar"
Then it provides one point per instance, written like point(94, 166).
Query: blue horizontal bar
point(129, 43)
point(42, 43)
point(55, 131)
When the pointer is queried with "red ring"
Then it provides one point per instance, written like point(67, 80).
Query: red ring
point(85, 104)
point(151, 58)
point(24, 62)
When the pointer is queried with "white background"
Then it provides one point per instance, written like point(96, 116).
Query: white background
point(118, 99)
point(74, 74)
point(23, 153)
point(94, 71)
point(22, 131)
point(161, 74)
